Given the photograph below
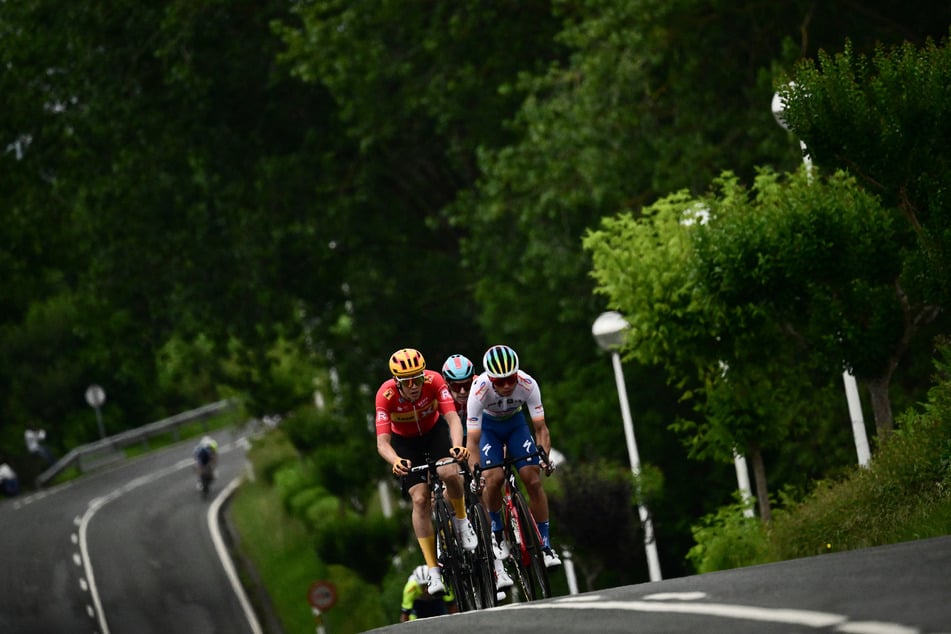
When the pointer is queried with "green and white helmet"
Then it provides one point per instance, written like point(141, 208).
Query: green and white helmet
point(500, 361)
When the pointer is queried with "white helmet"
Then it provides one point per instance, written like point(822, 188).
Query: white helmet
point(421, 575)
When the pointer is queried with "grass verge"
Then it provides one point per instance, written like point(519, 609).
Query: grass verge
point(280, 552)
point(281, 561)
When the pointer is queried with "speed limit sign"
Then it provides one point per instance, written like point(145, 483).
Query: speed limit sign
point(322, 595)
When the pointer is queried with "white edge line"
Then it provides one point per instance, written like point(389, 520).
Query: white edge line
point(225, 557)
point(94, 506)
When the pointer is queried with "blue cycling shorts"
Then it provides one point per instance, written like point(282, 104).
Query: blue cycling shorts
point(506, 437)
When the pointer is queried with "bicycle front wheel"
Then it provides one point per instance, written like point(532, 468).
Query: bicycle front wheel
point(533, 555)
point(482, 560)
point(452, 557)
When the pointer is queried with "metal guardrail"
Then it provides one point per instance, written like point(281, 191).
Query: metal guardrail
point(111, 448)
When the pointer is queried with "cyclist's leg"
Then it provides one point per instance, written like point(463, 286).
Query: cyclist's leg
point(439, 443)
point(492, 452)
point(415, 487)
point(529, 471)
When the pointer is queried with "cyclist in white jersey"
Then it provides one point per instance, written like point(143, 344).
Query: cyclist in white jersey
point(497, 427)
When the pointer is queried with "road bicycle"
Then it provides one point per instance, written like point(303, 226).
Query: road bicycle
point(206, 475)
point(482, 559)
point(457, 566)
point(526, 556)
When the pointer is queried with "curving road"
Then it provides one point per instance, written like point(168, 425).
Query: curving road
point(132, 549)
point(898, 589)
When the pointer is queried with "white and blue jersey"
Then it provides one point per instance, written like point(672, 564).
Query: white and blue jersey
point(502, 421)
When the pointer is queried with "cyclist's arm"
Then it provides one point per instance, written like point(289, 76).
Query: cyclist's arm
point(542, 435)
point(455, 427)
point(472, 444)
point(474, 409)
point(384, 447)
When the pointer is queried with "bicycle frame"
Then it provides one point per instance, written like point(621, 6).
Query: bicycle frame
point(521, 531)
point(456, 565)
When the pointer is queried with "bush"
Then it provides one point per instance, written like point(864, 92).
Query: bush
point(905, 493)
point(300, 501)
point(727, 539)
point(364, 544)
point(907, 481)
point(269, 453)
point(289, 480)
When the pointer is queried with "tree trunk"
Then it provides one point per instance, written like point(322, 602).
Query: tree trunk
point(881, 405)
point(762, 490)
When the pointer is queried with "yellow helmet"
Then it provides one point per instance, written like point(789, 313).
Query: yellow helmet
point(407, 363)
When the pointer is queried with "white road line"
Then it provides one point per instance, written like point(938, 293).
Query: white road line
point(807, 618)
point(225, 557)
point(875, 627)
point(676, 596)
point(98, 503)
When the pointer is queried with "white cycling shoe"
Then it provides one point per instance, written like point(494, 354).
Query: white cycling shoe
point(436, 584)
point(467, 535)
point(500, 547)
point(502, 578)
point(551, 558)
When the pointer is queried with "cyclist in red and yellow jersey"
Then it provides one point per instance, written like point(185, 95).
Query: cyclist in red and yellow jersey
point(416, 418)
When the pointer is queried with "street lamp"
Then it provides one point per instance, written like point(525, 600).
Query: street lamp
point(851, 387)
point(609, 330)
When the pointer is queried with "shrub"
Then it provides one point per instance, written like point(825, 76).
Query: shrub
point(727, 539)
point(365, 544)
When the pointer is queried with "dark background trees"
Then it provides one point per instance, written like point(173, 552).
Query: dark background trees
point(357, 177)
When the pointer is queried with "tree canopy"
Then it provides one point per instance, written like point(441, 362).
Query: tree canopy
point(259, 190)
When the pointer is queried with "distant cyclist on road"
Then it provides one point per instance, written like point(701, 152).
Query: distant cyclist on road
point(206, 457)
point(418, 603)
point(497, 427)
point(415, 417)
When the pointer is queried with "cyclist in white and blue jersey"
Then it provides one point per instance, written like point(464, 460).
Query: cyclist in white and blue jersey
point(497, 426)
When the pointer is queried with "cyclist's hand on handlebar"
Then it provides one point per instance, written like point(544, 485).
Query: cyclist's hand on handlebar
point(460, 454)
point(547, 464)
point(477, 484)
point(401, 467)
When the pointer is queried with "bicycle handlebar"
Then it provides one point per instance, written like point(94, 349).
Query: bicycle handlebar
point(432, 465)
point(507, 462)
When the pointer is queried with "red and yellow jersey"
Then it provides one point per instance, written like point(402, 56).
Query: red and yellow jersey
point(396, 415)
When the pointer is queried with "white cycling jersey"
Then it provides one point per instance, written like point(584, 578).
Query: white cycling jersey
point(483, 399)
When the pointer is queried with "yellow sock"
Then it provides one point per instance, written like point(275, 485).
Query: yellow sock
point(459, 504)
point(428, 546)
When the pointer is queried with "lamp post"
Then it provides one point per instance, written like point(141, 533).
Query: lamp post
point(609, 330)
point(851, 387)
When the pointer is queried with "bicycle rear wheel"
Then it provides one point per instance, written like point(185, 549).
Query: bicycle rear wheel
point(533, 556)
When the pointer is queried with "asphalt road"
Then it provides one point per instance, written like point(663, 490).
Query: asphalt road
point(134, 550)
point(128, 550)
point(898, 589)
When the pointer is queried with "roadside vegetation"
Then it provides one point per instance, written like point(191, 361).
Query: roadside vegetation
point(904, 494)
point(527, 166)
point(287, 527)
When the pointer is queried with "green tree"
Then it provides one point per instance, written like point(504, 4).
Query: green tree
point(753, 291)
point(885, 119)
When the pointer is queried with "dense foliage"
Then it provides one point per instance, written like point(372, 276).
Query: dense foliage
point(267, 198)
